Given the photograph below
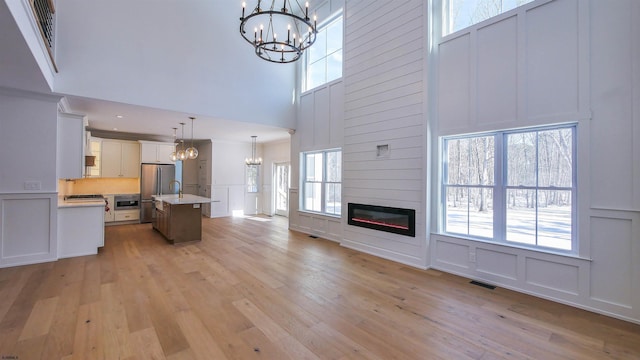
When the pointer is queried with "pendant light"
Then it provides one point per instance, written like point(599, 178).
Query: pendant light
point(253, 160)
point(182, 154)
point(192, 152)
point(174, 156)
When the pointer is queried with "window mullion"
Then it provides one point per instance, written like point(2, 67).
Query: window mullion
point(323, 183)
point(499, 192)
point(537, 167)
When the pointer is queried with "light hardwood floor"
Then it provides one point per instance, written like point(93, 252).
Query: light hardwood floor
point(254, 290)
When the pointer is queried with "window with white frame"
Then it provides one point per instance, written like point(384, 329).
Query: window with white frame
point(514, 187)
point(323, 61)
point(322, 181)
point(253, 171)
point(459, 14)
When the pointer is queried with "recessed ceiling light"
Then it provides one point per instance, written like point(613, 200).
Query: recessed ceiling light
point(116, 129)
point(119, 116)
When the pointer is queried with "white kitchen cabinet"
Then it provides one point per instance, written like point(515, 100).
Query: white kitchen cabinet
point(71, 145)
point(94, 148)
point(120, 158)
point(80, 230)
point(110, 215)
point(156, 152)
point(127, 215)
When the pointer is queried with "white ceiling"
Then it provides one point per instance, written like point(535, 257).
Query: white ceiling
point(145, 121)
point(19, 70)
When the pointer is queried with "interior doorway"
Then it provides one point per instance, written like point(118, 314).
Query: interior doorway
point(281, 182)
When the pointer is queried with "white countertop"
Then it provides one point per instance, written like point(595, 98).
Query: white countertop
point(84, 203)
point(173, 199)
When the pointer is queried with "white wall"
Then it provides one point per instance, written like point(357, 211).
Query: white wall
point(28, 181)
point(320, 126)
point(384, 95)
point(185, 56)
point(228, 178)
point(26, 64)
point(545, 63)
point(550, 62)
point(272, 153)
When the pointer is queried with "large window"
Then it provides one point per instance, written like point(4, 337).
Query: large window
point(515, 187)
point(323, 62)
point(322, 181)
point(459, 14)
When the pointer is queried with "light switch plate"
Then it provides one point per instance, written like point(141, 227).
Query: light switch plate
point(32, 185)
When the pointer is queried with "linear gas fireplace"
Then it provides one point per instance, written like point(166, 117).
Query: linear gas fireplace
point(383, 218)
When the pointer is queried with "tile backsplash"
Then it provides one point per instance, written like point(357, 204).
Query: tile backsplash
point(99, 186)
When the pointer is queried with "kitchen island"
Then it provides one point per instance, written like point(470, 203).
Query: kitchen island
point(179, 219)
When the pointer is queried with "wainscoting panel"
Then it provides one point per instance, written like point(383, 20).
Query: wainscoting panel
point(552, 275)
point(28, 228)
point(615, 251)
point(452, 254)
point(497, 263)
point(556, 277)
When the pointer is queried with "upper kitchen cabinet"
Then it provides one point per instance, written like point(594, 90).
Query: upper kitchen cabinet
point(120, 158)
point(71, 144)
point(156, 152)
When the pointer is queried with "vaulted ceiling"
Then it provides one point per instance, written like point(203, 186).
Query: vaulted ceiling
point(155, 63)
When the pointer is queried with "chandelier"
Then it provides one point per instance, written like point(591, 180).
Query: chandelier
point(280, 34)
point(253, 160)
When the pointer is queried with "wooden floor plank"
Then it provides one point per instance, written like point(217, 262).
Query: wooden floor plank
point(40, 318)
point(252, 289)
point(88, 342)
point(202, 344)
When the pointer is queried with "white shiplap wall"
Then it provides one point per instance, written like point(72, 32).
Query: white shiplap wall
point(384, 67)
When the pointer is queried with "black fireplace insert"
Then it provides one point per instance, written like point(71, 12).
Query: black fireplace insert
point(383, 218)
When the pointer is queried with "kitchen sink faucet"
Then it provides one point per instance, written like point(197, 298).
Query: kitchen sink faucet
point(179, 187)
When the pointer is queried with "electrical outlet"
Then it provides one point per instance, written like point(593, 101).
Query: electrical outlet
point(32, 185)
point(472, 257)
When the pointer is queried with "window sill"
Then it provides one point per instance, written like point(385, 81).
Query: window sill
point(515, 246)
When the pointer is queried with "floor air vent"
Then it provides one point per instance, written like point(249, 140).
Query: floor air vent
point(491, 287)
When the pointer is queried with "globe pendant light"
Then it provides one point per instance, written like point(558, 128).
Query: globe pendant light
point(182, 154)
point(192, 152)
point(174, 156)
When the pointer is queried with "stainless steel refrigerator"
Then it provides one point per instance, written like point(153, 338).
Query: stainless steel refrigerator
point(155, 180)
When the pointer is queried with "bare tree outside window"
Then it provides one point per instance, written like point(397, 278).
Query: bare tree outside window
point(322, 181)
point(536, 186)
point(459, 14)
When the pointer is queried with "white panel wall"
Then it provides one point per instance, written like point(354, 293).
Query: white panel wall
point(28, 226)
point(544, 63)
point(228, 177)
point(27, 121)
point(384, 105)
point(454, 85)
point(496, 101)
point(552, 58)
point(28, 182)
